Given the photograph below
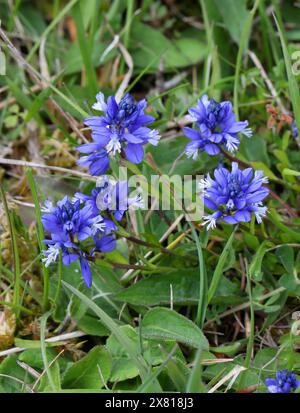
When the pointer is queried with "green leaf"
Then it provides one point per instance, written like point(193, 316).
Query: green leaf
point(92, 326)
point(91, 372)
point(290, 172)
point(115, 329)
point(123, 369)
point(261, 166)
point(286, 255)
point(255, 149)
point(148, 46)
point(13, 378)
point(45, 386)
point(255, 271)
point(33, 358)
point(291, 282)
point(234, 15)
point(185, 286)
point(165, 324)
point(11, 121)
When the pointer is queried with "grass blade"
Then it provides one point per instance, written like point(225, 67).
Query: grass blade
point(85, 50)
point(292, 82)
point(194, 384)
point(201, 311)
point(17, 265)
point(40, 235)
point(43, 350)
point(219, 268)
point(243, 44)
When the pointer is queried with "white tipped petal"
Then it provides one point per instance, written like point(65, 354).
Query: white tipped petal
point(50, 255)
point(100, 104)
point(211, 221)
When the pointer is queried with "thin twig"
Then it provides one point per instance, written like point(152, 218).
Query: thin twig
point(18, 162)
point(44, 371)
point(267, 80)
point(62, 337)
point(37, 77)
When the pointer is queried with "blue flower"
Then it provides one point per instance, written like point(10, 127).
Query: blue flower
point(69, 252)
point(69, 225)
point(294, 130)
point(67, 220)
point(121, 127)
point(106, 242)
point(284, 382)
point(217, 127)
point(111, 197)
point(234, 195)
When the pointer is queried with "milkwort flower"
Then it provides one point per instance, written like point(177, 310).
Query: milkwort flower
point(69, 225)
point(111, 196)
point(294, 130)
point(122, 126)
point(234, 195)
point(284, 382)
point(217, 127)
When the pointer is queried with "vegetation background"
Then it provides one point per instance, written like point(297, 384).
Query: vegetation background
point(148, 328)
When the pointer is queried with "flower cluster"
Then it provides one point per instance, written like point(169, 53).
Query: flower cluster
point(86, 224)
point(70, 226)
point(216, 128)
point(234, 195)
point(121, 127)
point(284, 382)
point(83, 226)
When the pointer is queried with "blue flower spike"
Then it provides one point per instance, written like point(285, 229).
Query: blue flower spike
point(69, 225)
point(284, 382)
point(216, 128)
point(234, 196)
point(86, 217)
point(122, 127)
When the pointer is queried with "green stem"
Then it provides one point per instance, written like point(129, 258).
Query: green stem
point(251, 336)
point(17, 266)
point(219, 268)
point(58, 288)
point(40, 235)
point(202, 304)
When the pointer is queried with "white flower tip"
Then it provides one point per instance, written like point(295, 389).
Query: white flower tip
point(50, 255)
point(97, 106)
point(100, 104)
point(247, 132)
point(204, 184)
point(114, 145)
point(192, 153)
point(190, 118)
point(154, 137)
point(260, 213)
point(211, 221)
point(47, 207)
point(98, 225)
